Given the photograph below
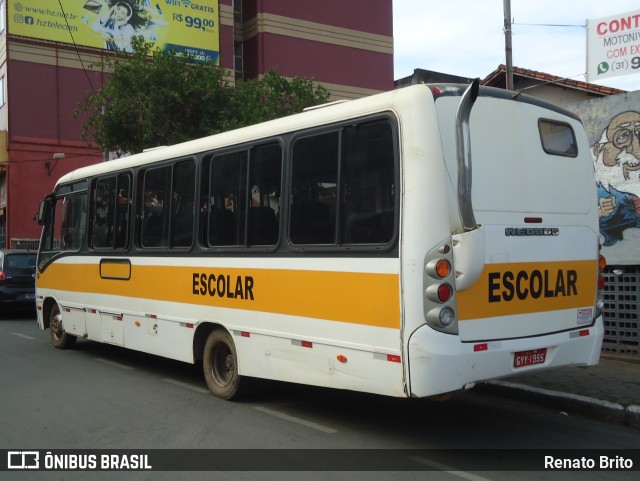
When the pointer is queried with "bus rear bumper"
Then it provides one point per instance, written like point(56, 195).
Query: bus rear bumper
point(441, 363)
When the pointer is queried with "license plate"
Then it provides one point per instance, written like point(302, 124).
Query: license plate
point(529, 358)
point(30, 296)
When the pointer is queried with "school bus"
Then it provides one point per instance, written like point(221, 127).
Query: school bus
point(348, 246)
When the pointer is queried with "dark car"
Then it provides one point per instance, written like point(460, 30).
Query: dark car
point(17, 278)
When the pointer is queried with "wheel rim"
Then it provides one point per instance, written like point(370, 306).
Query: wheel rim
point(56, 325)
point(222, 365)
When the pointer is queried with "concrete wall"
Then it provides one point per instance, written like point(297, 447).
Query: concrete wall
point(613, 127)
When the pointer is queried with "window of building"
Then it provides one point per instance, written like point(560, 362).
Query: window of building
point(237, 11)
point(238, 60)
point(3, 91)
point(2, 17)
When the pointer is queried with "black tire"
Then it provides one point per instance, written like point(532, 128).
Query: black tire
point(220, 365)
point(59, 337)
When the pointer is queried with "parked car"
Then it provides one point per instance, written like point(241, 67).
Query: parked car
point(17, 278)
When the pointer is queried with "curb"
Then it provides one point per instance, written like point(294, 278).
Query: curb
point(597, 408)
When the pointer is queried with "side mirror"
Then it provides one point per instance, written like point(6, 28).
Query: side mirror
point(44, 210)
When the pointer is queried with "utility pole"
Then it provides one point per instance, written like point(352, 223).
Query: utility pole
point(507, 43)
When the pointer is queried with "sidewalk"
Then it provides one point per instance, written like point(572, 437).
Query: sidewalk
point(610, 390)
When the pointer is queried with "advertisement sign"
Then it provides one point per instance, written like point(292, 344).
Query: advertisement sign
point(188, 26)
point(613, 46)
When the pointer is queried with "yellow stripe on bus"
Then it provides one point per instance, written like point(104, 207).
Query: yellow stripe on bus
point(360, 298)
point(522, 288)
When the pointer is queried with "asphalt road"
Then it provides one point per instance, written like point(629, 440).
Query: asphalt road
point(101, 397)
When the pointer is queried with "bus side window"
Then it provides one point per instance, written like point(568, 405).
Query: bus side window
point(226, 200)
point(103, 200)
point(264, 206)
point(368, 190)
point(73, 222)
point(349, 174)
point(155, 209)
point(168, 206)
point(123, 211)
point(183, 204)
point(110, 212)
point(233, 197)
point(314, 189)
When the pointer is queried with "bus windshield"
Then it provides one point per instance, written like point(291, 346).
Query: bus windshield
point(65, 226)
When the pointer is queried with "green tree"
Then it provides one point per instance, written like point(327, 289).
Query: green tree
point(271, 97)
point(153, 97)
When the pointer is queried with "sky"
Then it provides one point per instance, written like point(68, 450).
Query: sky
point(466, 37)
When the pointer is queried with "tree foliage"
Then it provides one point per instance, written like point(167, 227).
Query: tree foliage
point(153, 97)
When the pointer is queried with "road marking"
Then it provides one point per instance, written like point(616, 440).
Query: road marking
point(294, 419)
point(449, 469)
point(186, 385)
point(24, 336)
point(115, 364)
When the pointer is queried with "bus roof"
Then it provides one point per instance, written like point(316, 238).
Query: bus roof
point(392, 101)
point(312, 118)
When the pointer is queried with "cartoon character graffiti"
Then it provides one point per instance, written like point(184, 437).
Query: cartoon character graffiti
point(621, 144)
point(618, 196)
point(617, 211)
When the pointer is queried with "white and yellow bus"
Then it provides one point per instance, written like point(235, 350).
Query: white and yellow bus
point(348, 246)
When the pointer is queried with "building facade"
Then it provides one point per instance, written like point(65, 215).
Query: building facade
point(47, 48)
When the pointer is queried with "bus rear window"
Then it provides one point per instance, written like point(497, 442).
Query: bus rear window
point(557, 138)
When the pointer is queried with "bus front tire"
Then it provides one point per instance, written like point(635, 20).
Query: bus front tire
point(59, 337)
point(221, 366)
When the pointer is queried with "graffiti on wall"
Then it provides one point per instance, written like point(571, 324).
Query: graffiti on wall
point(617, 162)
point(613, 128)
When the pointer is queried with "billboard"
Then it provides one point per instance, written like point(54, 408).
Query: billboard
point(613, 46)
point(188, 26)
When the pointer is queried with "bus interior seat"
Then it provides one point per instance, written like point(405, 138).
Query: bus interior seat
point(369, 227)
point(312, 223)
point(263, 226)
point(222, 227)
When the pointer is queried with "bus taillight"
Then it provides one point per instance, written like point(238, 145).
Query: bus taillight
point(439, 291)
point(443, 268)
point(438, 268)
point(447, 316)
point(444, 292)
point(602, 265)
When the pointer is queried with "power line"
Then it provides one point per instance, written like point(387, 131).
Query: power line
point(549, 25)
point(64, 15)
point(542, 84)
point(48, 159)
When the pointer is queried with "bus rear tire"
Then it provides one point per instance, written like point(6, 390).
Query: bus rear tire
point(220, 365)
point(59, 337)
